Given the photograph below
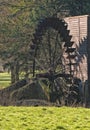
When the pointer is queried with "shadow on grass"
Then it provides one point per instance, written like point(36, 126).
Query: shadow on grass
point(60, 128)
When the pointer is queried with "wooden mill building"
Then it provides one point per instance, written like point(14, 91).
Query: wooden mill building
point(79, 27)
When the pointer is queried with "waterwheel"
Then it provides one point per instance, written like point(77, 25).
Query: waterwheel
point(53, 55)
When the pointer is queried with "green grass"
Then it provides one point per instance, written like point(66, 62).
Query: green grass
point(4, 80)
point(44, 118)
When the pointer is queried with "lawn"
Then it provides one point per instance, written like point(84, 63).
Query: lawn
point(4, 80)
point(44, 118)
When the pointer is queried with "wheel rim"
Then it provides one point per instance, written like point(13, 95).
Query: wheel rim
point(51, 41)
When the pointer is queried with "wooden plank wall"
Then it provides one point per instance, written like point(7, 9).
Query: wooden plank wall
point(88, 50)
point(78, 26)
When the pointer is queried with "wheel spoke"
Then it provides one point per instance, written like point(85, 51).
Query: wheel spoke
point(49, 48)
point(49, 60)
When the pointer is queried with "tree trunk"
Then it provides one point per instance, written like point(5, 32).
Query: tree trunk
point(12, 74)
point(16, 71)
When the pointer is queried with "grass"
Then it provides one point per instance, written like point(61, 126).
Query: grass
point(4, 80)
point(44, 118)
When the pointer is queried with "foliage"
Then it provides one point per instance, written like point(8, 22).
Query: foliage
point(78, 7)
point(42, 118)
point(15, 37)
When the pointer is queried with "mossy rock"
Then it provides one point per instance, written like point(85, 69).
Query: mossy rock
point(29, 91)
point(22, 91)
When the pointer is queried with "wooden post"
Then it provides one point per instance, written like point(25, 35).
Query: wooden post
point(88, 61)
